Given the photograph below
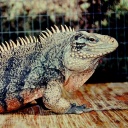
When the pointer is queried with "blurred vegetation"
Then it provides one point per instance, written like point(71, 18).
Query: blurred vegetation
point(24, 17)
point(27, 15)
point(51, 7)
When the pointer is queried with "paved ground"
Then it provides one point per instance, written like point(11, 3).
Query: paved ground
point(113, 96)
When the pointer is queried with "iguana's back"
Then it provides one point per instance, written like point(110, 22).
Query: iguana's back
point(15, 68)
point(25, 66)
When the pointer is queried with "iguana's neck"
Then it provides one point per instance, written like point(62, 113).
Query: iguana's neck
point(54, 48)
point(58, 40)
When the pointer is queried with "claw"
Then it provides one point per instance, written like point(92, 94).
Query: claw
point(73, 105)
point(76, 109)
point(84, 106)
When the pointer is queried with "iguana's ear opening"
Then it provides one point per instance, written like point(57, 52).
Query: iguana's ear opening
point(78, 41)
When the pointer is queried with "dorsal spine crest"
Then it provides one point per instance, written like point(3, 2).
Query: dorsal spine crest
point(7, 46)
point(45, 34)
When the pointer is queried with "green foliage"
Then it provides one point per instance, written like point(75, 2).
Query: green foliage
point(69, 8)
point(122, 6)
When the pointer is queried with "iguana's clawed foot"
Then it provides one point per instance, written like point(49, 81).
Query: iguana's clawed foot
point(77, 109)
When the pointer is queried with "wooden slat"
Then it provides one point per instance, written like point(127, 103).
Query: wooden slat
point(97, 96)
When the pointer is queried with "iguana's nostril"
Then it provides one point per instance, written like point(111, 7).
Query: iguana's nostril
point(111, 41)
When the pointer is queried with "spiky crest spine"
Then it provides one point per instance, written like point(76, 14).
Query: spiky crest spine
point(7, 46)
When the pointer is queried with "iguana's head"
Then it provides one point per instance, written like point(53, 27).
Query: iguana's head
point(82, 55)
point(85, 49)
point(82, 50)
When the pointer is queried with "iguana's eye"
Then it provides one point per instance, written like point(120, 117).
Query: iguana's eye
point(91, 39)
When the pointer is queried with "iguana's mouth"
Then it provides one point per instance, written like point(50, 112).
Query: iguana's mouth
point(90, 54)
point(84, 56)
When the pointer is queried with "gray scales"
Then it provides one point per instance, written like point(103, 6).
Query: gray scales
point(40, 67)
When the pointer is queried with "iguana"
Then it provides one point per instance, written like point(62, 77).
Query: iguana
point(38, 67)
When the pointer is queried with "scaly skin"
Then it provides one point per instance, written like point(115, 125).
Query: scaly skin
point(37, 67)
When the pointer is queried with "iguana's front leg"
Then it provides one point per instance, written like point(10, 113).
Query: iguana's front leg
point(53, 100)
